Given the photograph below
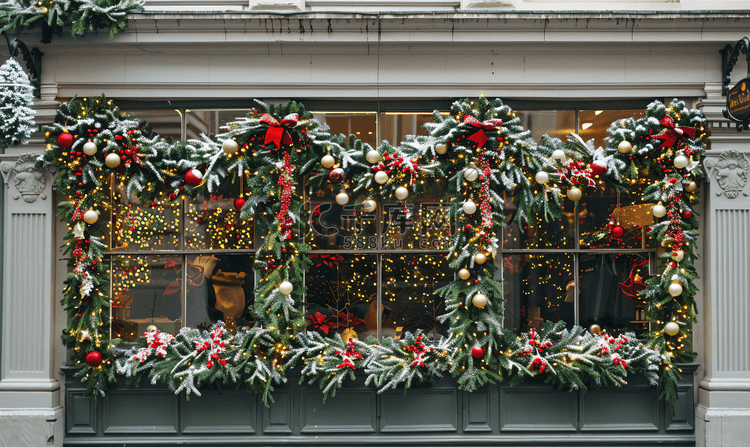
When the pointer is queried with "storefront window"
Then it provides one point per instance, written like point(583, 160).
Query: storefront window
point(188, 262)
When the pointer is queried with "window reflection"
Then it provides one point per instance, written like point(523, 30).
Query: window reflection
point(362, 125)
point(395, 126)
point(422, 221)
point(555, 123)
point(144, 226)
point(603, 209)
point(166, 123)
point(558, 234)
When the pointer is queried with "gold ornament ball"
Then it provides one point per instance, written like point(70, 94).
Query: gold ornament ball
point(369, 205)
point(90, 217)
point(479, 300)
point(541, 177)
point(678, 255)
point(230, 146)
point(574, 194)
point(342, 198)
point(151, 328)
point(327, 161)
point(672, 328)
point(471, 173)
point(286, 288)
point(347, 334)
point(372, 156)
point(480, 258)
point(624, 147)
point(690, 187)
point(659, 210)
point(469, 207)
point(595, 329)
point(675, 289)
point(441, 148)
point(401, 193)
point(381, 177)
point(89, 148)
point(112, 160)
point(464, 274)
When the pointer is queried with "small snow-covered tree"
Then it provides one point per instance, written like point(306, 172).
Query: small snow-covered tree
point(16, 105)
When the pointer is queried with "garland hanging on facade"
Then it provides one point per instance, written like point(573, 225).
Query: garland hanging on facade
point(484, 154)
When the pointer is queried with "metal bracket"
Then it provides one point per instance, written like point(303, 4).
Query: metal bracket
point(729, 58)
point(33, 61)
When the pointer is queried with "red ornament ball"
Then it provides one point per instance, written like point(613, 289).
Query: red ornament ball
point(598, 168)
point(617, 231)
point(239, 203)
point(336, 175)
point(94, 359)
point(687, 214)
point(65, 140)
point(477, 352)
point(193, 177)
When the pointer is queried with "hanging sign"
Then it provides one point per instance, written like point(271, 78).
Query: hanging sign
point(738, 100)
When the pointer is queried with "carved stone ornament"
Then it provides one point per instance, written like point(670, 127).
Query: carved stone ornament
point(29, 181)
point(731, 172)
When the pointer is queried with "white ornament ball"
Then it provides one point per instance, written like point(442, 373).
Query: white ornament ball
point(659, 210)
point(541, 177)
point(342, 198)
point(672, 328)
point(479, 300)
point(112, 160)
point(678, 255)
point(286, 288)
point(680, 161)
point(230, 146)
point(675, 289)
point(480, 258)
point(675, 277)
point(471, 173)
point(558, 154)
point(441, 148)
point(574, 194)
point(401, 193)
point(369, 205)
point(327, 161)
point(381, 177)
point(624, 147)
point(90, 217)
point(469, 207)
point(372, 156)
point(464, 274)
point(89, 148)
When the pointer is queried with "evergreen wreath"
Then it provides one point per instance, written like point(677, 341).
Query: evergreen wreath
point(482, 151)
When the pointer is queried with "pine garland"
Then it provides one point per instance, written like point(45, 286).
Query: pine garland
point(484, 154)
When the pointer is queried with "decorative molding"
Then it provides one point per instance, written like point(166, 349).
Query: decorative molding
point(731, 172)
point(28, 180)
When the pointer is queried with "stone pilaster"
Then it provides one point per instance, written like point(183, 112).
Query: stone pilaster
point(723, 413)
point(30, 408)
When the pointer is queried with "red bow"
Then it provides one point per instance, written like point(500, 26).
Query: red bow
point(673, 133)
point(480, 137)
point(277, 133)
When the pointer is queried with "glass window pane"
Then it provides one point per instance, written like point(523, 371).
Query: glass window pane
point(409, 303)
point(212, 223)
point(600, 213)
point(608, 292)
point(210, 122)
point(341, 227)
point(342, 294)
point(537, 288)
point(395, 126)
point(363, 125)
point(146, 291)
point(594, 123)
point(219, 287)
point(554, 235)
point(422, 222)
point(166, 123)
point(144, 226)
point(555, 123)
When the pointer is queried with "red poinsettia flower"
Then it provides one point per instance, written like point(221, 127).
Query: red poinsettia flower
point(348, 319)
point(318, 321)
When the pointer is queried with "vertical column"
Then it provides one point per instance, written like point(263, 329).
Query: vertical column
point(30, 411)
point(723, 413)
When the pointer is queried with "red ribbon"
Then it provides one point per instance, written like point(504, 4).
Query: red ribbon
point(277, 132)
point(480, 136)
point(673, 133)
